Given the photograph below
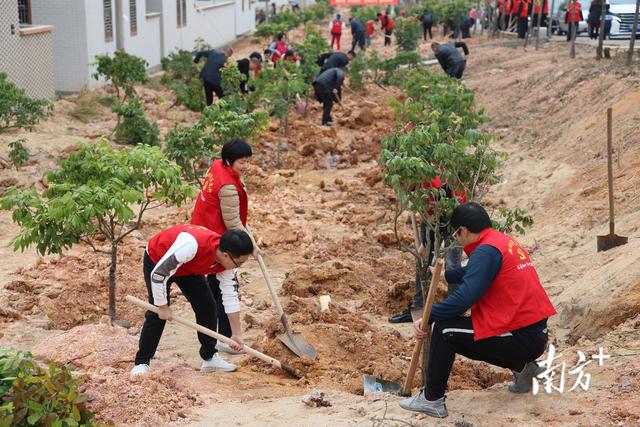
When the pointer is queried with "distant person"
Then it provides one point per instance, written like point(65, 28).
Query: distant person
point(210, 73)
point(328, 89)
point(608, 20)
point(386, 25)
point(335, 28)
point(427, 23)
point(257, 57)
point(279, 47)
point(357, 34)
point(369, 30)
point(595, 10)
point(502, 15)
point(291, 56)
point(572, 18)
point(537, 10)
point(472, 15)
point(295, 7)
point(450, 59)
point(465, 27)
point(337, 60)
point(509, 312)
point(522, 11)
point(246, 65)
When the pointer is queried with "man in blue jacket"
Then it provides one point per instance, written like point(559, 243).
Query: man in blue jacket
point(210, 73)
point(357, 34)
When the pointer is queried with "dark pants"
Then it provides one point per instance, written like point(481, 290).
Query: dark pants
point(523, 26)
point(198, 293)
point(455, 336)
point(426, 28)
point(387, 37)
point(594, 29)
point(456, 70)
point(358, 39)
point(224, 327)
point(210, 89)
point(326, 97)
point(570, 31)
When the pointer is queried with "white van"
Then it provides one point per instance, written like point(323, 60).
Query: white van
point(624, 11)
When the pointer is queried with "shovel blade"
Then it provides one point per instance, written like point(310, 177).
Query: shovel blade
point(297, 344)
point(610, 241)
point(376, 385)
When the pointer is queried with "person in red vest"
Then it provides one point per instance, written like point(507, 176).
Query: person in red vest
point(538, 6)
point(509, 312)
point(573, 17)
point(386, 25)
point(335, 28)
point(509, 14)
point(453, 256)
point(223, 205)
point(522, 11)
point(369, 29)
point(184, 254)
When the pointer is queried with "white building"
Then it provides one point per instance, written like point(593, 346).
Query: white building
point(150, 29)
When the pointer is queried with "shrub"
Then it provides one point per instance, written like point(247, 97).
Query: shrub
point(133, 127)
point(18, 153)
point(408, 31)
point(182, 77)
point(123, 71)
point(363, 14)
point(41, 397)
point(356, 72)
point(17, 109)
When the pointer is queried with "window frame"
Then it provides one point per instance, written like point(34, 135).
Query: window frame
point(133, 17)
point(26, 4)
point(107, 5)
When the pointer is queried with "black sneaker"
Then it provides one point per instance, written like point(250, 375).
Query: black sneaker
point(404, 317)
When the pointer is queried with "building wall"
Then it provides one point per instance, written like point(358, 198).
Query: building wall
point(26, 56)
point(96, 42)
point(245, 17)
point(146, 43)
point(69, 40)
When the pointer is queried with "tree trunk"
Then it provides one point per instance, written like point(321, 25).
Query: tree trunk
point(425, 291)
point(530, 27)
point(574, 31)
point(112, 281)
point(550, 19)
point(634, 31)
point(539, 23)
point(601, 34)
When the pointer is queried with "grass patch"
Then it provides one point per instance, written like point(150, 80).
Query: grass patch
point(86, 106)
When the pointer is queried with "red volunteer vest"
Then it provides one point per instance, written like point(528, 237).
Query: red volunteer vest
point(515, 298)
point(207, 212)
point(205, 260)
point(509, 7)
point(336, 28)
point(524, 9)
point(369, 27)
point(574, 16)
point(545, 8)
point(501, 8)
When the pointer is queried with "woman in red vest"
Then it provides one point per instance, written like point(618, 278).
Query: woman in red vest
point(335, 28)
point(222, 205)
point(183, 254)
point(509, 311)
point(573, 18)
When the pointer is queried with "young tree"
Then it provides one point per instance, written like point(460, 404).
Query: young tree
point(133, 127)
point(96, 191)
point(408, 33)
point(193, 147)
point(182, 77)
point(17, 109)
point(123, 71)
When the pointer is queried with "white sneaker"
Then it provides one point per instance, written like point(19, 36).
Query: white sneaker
point(139, 370)
point(419, 403)
point(226, 348)
point(217, 363)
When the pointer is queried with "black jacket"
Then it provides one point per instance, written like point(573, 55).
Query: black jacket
point(330, 79)
point(335, 60)
point(243, 66)
point(211, 71)
point(426, 18)
point(448, 56)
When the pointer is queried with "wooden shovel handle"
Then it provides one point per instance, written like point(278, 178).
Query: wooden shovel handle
point(415, 357)
point(206, 331)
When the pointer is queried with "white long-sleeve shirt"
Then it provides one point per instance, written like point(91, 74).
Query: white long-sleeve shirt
point(183, 250)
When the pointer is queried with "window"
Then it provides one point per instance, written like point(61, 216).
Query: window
point(133, 17)
point(24, 11)
point(243, 5)
point(108, 20)
point(181, 6)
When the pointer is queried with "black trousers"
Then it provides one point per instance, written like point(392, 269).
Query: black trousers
point(523, 26)
point(199, 295)
point(358, 39)
point(570, 31)
point(210, 89)
point(387, 37)
point(224, 327)
point(456, 70)
point(455, 336)
point(326, 97)
point(426, 28)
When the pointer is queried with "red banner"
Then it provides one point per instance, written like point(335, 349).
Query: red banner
point(362, 2)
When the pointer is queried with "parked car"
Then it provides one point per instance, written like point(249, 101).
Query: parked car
point(623, 11)
point(559, 27)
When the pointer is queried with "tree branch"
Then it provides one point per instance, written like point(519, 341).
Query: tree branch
point(143, 208)
point(402, 247)
point(88, 241)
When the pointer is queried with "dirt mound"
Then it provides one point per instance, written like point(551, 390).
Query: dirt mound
point(332, 277)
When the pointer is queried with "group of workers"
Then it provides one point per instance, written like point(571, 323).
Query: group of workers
point(499, 284)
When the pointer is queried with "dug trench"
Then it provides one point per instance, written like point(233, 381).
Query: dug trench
point(324, 223)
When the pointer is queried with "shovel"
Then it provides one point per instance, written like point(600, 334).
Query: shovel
point(255, 353)
point(610, 240)
point(415, 358)
point(294, 342)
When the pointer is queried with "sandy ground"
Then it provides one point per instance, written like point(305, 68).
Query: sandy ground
point(324, 223)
